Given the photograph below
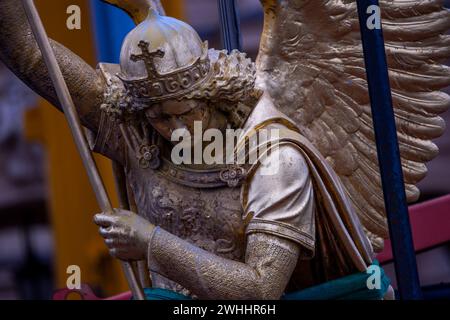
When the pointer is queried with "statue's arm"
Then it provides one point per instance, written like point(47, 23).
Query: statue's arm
point(280, 234)
point(268, 266)
point(20, 52)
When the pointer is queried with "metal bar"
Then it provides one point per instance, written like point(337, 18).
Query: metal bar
point(75, 126)
point(389, 154)
point(229, 25)
point(111, 27)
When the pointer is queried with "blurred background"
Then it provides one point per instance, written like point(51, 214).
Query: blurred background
point(46, 203)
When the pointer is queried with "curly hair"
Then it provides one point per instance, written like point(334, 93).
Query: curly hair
point(231, 86)
point(233, 78)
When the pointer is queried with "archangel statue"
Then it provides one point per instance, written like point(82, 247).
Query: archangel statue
point(210, 231)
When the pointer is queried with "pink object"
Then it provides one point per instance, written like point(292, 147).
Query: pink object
point(122, 296)
point(430, 223)
point(85, 293)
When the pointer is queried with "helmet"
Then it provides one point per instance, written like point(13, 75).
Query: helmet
point(162, 58)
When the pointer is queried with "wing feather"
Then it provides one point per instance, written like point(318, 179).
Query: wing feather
point(311, 58)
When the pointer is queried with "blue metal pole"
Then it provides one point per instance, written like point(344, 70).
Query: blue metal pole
point(229, 25)
point(111, 25)
point(388, 152)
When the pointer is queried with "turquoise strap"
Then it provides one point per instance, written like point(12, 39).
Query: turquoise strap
point(163, 294)
point(353, 287)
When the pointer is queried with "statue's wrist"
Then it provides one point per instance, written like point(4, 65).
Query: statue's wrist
point(151, 261)
point(150, 233)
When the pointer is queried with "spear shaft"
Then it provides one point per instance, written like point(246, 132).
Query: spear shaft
point(73, 120)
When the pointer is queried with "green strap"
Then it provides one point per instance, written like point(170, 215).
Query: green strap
point(353, 287)
point(163, 294)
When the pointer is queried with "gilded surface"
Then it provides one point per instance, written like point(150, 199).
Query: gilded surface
point(196, 226)
point(311, 62)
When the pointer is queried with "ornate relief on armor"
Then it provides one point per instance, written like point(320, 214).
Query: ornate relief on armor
point(209, 219)
point(233, 176)
point(212, 178)
point(149, 157)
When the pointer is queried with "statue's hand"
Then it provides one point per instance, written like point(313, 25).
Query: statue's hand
point(126, 234)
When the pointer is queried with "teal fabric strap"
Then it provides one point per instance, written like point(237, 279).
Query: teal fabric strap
point(353, 287)
point(163, 294)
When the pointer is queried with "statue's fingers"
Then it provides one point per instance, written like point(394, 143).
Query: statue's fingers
point(110, 243)
point(103, 220)
point(115, 243)
point(118, 253)
point(105, 232)
point(113, 233)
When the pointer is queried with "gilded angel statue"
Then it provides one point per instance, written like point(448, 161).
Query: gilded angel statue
point(229, 231)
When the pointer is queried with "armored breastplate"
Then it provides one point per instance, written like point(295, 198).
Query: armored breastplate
point(194, 205)
point(197, 206)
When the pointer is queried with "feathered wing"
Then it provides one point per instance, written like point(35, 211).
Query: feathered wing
point(311, 63)
point(137, 9)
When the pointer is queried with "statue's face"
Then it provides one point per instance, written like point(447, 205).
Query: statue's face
point(171, 115)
